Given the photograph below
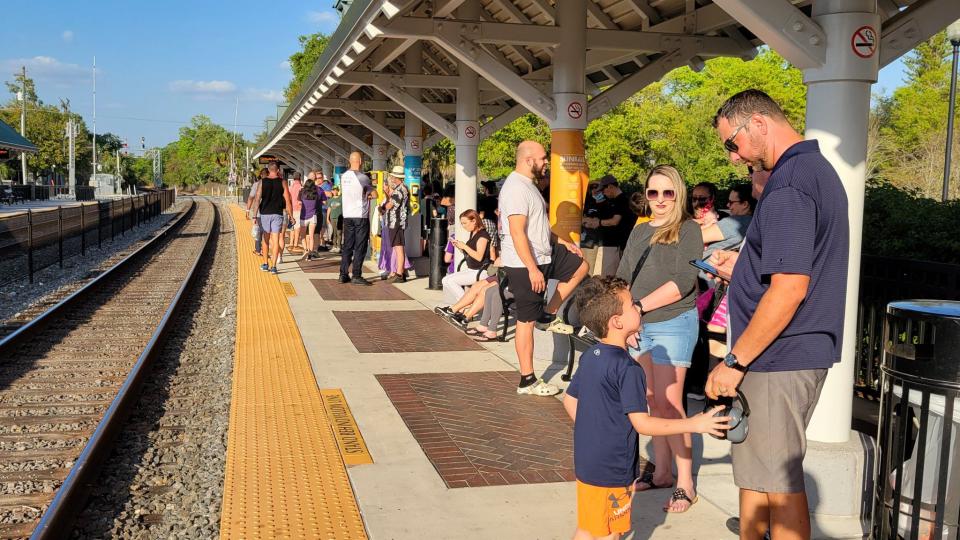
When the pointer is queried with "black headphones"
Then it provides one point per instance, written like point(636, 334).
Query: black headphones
point(738, 418)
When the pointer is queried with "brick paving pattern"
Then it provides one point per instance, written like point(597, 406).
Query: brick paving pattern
point(332, 289)
point(401, 331)
point(476, 430)
point(327, 265)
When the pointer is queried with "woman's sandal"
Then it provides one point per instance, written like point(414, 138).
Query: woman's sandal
point(647, 479)
point(680, 494)
point(483, 338)
point(472, 332)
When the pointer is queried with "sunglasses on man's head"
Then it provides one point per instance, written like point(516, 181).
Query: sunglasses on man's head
point(668, 194)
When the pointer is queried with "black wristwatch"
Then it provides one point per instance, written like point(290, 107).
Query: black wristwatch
point(640, 307)
point(730, 360)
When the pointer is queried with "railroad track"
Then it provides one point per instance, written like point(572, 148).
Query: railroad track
point(68, 378)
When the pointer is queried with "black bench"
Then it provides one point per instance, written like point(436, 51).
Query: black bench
point(587, 340)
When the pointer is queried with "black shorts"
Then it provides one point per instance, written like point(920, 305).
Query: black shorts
point(563, 265)
point(395, 237)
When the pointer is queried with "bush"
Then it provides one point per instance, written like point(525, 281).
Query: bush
point(898, 222)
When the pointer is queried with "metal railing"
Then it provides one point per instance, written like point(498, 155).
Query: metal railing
point(884, 280)
point(32, 240)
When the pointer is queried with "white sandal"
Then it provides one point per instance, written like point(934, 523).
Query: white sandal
point(539, 388)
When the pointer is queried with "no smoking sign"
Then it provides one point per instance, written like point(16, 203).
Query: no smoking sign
point(575, 110)
point(470, 132)
point(864, 42)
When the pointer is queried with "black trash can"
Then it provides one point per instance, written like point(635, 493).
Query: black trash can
point(917, 483)
point(438, 246)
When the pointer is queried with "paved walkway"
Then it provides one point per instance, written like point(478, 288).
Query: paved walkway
point(457, 454)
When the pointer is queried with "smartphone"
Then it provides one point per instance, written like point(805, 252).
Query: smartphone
point(705, 266)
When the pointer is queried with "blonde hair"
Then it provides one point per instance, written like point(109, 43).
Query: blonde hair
point(669, 232)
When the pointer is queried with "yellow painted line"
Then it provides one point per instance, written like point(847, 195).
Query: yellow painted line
point(352, 446)
point(288, 288)
point(285, 477)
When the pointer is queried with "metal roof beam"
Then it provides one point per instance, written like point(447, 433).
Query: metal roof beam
point(368, 122)
point(628, 86)
point(390, 105)
point(783, 27)
point(350, 138)
point(488, 67)
point(905, 30)
point(504, 118)
point(321, 153)
point(413, 106)
point(549, 36)
point(335, 148)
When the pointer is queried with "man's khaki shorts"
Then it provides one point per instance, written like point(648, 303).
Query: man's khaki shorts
point(781, 404)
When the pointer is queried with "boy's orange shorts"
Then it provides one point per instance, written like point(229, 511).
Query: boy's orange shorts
point(602, 511)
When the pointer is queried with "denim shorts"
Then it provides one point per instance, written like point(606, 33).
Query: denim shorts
point(670, 342)
point(271, 223)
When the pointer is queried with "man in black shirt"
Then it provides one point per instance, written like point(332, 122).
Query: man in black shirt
point(614, 224)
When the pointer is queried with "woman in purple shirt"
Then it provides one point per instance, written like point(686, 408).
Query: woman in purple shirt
point(311, 198)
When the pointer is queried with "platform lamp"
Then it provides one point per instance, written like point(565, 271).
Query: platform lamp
point(953, 34)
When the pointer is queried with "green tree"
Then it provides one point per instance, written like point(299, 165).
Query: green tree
point(911, 137)
point(302, 61)
point(201, 154)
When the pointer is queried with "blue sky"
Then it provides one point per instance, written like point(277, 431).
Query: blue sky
point(159, 63)
point(162, 62)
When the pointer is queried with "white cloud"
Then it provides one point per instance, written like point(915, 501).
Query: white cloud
point(324, 18)
point(46, 69)
point(67, 36)
point(256, 94)
point(203, 88)
point(285, 64)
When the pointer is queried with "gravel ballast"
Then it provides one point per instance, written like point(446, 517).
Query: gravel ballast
point(165, 477)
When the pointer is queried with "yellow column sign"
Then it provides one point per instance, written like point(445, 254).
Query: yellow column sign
point(568, 183)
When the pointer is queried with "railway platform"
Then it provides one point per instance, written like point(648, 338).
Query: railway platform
point(455, 452)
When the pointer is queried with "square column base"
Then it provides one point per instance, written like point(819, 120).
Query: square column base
point(839, 481)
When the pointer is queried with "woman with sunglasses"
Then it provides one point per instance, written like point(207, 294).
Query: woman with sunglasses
point(664, 287)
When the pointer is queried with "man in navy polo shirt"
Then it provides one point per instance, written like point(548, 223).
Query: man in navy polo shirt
point(786, 305)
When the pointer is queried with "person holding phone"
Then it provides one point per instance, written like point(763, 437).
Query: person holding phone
point(656, 263)
point(787, 292)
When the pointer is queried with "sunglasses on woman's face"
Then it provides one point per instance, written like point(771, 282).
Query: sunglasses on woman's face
point(668, 194)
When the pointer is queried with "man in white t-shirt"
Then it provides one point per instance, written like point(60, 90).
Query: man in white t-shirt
point(531, 255)
point(356, 190)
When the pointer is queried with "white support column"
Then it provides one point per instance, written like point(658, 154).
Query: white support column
point(328, 170)
point(838, 107)
point(467, 134)
point(568, 163)
point(380, 146)
point(413, 154)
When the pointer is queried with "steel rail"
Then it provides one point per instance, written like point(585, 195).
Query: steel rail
point(57, 520)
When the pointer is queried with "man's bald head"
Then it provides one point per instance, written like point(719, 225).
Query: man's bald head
point(532, 160)
point(356, 160)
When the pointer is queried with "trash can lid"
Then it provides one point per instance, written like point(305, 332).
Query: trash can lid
point(938, 308)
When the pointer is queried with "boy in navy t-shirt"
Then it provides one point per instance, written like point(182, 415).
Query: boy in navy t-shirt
point(608, 397)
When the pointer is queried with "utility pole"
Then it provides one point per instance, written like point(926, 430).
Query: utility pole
point(72, 149)
point(23, 120)
point(118, 181)
point(95, 119)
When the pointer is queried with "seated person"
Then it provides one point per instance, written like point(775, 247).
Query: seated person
point(475, 253)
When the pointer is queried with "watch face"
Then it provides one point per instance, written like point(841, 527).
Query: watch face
point(730, 360)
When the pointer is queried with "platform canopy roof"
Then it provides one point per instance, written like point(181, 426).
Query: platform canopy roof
point(11, 140)
point(630, 43)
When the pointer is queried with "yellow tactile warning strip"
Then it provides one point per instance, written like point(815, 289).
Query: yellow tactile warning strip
point(288, 288)
point(285, 477)
point(352, 446)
